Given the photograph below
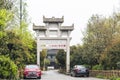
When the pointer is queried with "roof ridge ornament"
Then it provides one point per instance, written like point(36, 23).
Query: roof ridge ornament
point(53, 20)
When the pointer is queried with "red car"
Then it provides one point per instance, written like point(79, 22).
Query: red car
point(32, 71)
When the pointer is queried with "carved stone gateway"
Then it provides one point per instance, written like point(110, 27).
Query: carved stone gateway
point(53, 36)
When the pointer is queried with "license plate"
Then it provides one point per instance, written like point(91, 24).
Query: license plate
point(83, 70)
point(32, 72)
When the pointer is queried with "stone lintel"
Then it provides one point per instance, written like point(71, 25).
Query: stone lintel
point(53, 20)
point(39, 27)
point(54, 38)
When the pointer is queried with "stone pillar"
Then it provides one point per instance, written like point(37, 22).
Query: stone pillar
point(59, 33)
point(47, 31)
point(38, 49)
point(68, 54)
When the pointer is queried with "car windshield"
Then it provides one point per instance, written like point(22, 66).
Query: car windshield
point(80, 66)
point(32, 66)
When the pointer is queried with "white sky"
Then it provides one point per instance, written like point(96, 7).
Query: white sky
point(74, 11)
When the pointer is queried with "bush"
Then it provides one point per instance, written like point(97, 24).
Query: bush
point(118, 65)
point(118, 79)
point(100, 76)
point(97, 67)
point(114, 78)
point(8, 70)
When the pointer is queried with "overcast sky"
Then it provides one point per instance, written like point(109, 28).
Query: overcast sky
point(74, 11)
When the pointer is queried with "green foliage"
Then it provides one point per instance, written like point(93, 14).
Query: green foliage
point(6, 4)
point(5, 17)
point(96, 39)
point(24, 46)
point(110, 56)
point(23, 49)
point(76, 57)
point(97, 67)
point(118, 65)
point(101, 42)
point(100, 76)
point(43, 55)
point(61, 58)
point(7, 68)
point(2, 34)
point(47, 61)
point(20, 53)
point(118, 79)
point(114, 78)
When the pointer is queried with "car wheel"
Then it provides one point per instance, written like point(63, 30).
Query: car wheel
point(39, 77)
point(73, 74)
point(87, 75)
point(24, 77)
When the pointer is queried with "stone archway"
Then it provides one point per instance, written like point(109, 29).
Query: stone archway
point(53, 36)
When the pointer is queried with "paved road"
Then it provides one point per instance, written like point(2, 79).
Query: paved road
point(54, 75)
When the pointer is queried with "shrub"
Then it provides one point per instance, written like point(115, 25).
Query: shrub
point(97, 67)
point(118, 65)
point(118, 79)
point(7, 68)
point(114, 78)
point(100, 76)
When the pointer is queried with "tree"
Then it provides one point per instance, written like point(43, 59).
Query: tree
point(5, 17)
point(76, 55)
point(110, 56)
point(6, 4)
point(99, 41)
point(19, 53)
point(15, 43)
point(98, 36)
point(43, 55)
point(61, 58)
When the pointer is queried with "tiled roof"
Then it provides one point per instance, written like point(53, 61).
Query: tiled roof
point(53, 19)
point(67, 27)
point(39, 27)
